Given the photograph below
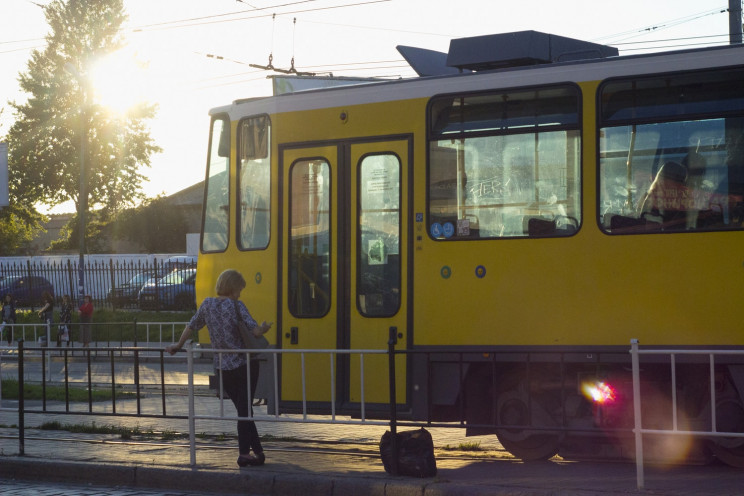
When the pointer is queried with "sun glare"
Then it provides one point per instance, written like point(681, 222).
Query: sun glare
point(119, 81)
point(599, 392)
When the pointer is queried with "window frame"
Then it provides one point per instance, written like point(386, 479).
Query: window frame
point(225, 118)
point(238, 183)
point(661, 118)
point(578, 127)
point(359, 211)
point(290, 238)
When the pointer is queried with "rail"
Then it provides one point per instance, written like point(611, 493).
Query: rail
point(112, 357)
point(638, 429)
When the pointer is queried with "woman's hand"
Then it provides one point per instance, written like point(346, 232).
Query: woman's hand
point(173, 349)
point(259, 331)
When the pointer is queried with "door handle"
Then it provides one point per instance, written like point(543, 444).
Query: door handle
point(293, 335)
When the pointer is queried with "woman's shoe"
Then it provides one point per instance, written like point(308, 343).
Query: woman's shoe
point(253, 461)
point(259, 459)
point(244, 461)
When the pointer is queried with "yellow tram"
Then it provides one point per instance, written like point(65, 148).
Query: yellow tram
point(514, 224)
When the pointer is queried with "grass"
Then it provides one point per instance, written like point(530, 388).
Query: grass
point(57, 393)
point(470, 446)
point(116, 325)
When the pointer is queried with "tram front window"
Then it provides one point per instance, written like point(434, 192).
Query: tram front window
point(217, 197)
point(254, 186)
point(672, 154)
point(505, 165)
point(309, 238)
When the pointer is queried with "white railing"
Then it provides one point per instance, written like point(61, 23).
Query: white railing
point(638, 429)
point(176, 328)
point(272, 355)
point(18, 332)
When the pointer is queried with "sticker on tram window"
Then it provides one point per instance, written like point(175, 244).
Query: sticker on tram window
point(463, 227)
point(419, 217)
point(436, 230)
point(449, 229)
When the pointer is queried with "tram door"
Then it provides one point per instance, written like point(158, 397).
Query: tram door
point(344, 269)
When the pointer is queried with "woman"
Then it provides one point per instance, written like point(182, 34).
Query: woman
point(9, 317)
point(220, 317)
point(86, 317)
point(65, 321)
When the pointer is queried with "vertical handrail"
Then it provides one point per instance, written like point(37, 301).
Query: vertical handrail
point(21, 402)
point(304, 385)
point(392, 340)
point(113, 382)
point(674, 391)
point(361, 386)
point(90, 382)
point(333, 389)
point(192, 420)
point(49, 344)
point(137, 381)
point(162, 379)
point(248, 385)
point(43, 378)
point(276, 385)
point(714, 426)
point(637, 412)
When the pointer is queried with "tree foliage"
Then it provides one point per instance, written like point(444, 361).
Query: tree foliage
point(158, 226)
point(60, 117)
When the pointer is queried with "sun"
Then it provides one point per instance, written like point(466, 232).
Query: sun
point(119, 81)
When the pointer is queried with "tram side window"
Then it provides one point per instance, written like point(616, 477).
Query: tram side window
point(672, 153)
point(217, 192)
point(378, 245)
point(254, 186)
point(505, 164)
point(309, 238)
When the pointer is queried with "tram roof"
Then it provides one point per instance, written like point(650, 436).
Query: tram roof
point(376, 91)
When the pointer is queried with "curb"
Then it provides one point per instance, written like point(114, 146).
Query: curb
point(253, 482)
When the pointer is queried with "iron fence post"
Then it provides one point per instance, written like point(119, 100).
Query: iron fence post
point(21, 405)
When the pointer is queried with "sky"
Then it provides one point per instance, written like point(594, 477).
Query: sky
point(193, 55)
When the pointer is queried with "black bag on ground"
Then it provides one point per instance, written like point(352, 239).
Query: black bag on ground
point(415, 453)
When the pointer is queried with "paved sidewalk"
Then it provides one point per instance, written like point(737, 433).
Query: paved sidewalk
point(309, 470)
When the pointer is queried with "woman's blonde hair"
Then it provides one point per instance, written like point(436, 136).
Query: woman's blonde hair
point(229, 281)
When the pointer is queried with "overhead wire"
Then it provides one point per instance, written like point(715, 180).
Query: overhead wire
point(168, 25)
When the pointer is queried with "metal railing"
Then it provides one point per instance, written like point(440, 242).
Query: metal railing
point(273, 355)
point(105, 334)
point(136, 353)
point(638, 429)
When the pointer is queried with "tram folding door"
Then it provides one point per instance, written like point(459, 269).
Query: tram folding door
point(345, 261)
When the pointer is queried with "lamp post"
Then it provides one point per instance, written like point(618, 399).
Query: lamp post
point(83, 198)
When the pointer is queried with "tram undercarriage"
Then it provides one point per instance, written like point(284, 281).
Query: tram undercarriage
point(579, 410)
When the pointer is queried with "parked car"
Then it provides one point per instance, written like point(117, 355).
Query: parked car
point(26, 290)
point(174, 291)
point(127, 293)
point(180, 262)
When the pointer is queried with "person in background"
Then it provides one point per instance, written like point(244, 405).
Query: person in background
point(220, 316)
point(65, 321)
point(46, 312)
point(86, 317)
point(8, 318)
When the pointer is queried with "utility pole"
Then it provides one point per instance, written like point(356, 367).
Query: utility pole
point(734, 10)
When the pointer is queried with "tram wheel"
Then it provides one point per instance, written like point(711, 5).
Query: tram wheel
point(729, 418)
point(528, 445)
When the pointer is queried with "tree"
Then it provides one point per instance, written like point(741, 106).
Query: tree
point(158, 226)
point(44, 142)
